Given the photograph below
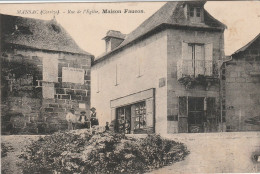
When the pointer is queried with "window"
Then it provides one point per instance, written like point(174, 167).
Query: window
point(192, 11)
point(140, 116)
point(116, 80)
point(197, 12)
point(131, 118)
point(197, 59)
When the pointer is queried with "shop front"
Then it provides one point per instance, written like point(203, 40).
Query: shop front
point(134, 114)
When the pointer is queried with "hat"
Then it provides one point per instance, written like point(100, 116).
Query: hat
point(82, 112)
point(93, 109)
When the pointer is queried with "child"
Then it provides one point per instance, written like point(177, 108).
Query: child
point(107, 126)
point(70, 117)
point(83, 119)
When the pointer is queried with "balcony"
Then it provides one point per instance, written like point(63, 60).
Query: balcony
point(194, 68)
point(199, 72)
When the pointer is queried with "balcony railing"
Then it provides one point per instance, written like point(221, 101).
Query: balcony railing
point(194, 68)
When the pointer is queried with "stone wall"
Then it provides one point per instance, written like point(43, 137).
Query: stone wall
point(242, 90)
point(174, 88)
point(32, 104)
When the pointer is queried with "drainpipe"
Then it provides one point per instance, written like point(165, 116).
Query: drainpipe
point(221, 92)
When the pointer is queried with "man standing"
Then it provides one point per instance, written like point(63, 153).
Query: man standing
point(71, 117)
point(93, 119)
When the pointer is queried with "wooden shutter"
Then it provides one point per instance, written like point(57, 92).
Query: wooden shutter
point(186, 59)
point(183, 115)
point(199, 60)
point(208, 59)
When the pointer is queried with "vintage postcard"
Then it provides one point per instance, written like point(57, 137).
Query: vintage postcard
point(130, 87)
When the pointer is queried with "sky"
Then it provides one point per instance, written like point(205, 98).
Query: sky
point(241, 17)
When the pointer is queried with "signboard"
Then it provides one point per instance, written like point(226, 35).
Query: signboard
point(73, 75)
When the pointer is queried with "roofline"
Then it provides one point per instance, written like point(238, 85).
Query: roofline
point(247, 45)
point(151, 32)
point(46, 20)
point(104, 38)
point(220, 23)
point(56, 51)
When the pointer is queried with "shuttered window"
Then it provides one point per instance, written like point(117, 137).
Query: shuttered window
point(183, 115)
point(208, 59)
point(197, 59)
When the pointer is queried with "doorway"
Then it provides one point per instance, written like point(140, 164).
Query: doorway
point(196, 114)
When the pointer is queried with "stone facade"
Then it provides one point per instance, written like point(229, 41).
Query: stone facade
point(31, 101)
point(242, 84)
point(174, 88)
point(43, 75)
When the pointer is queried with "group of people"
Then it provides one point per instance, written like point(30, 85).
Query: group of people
point(83, 121)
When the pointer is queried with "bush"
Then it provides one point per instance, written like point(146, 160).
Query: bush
point(105, 152)
point(5, 149)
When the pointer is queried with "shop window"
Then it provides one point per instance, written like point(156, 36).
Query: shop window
point(131, 118)
point(140, 116)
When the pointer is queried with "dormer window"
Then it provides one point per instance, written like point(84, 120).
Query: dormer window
point(195, 14)
point(192, 9)
point(198, 10)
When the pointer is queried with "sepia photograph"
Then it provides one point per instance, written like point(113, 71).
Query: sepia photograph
point(130, 87)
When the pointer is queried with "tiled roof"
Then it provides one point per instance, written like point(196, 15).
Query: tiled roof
point(37, 34)
point(172, 13)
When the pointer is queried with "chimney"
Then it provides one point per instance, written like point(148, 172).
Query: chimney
point(113, 39)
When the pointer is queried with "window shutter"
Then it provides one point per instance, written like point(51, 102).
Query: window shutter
point(183, 115)
point(186, 59)
point(185, 55)
point(208, 59)
point(199, 60)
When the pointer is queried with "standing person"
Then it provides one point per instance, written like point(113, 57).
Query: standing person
point(107, 126)
point(83, 119)
point(70, 117)
point(93, 117)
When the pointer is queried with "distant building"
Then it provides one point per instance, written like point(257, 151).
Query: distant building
point(242, 88)
point(164, 76)
point(43, 75)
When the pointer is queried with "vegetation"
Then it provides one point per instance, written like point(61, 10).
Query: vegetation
point(100, 152)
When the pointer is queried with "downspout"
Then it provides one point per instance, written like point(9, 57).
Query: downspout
point(221, 92)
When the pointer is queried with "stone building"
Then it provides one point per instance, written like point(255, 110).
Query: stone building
point(43, 75)
point(242, 88)
point(163, 77)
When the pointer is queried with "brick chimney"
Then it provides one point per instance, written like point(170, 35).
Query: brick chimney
point(113, 39)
